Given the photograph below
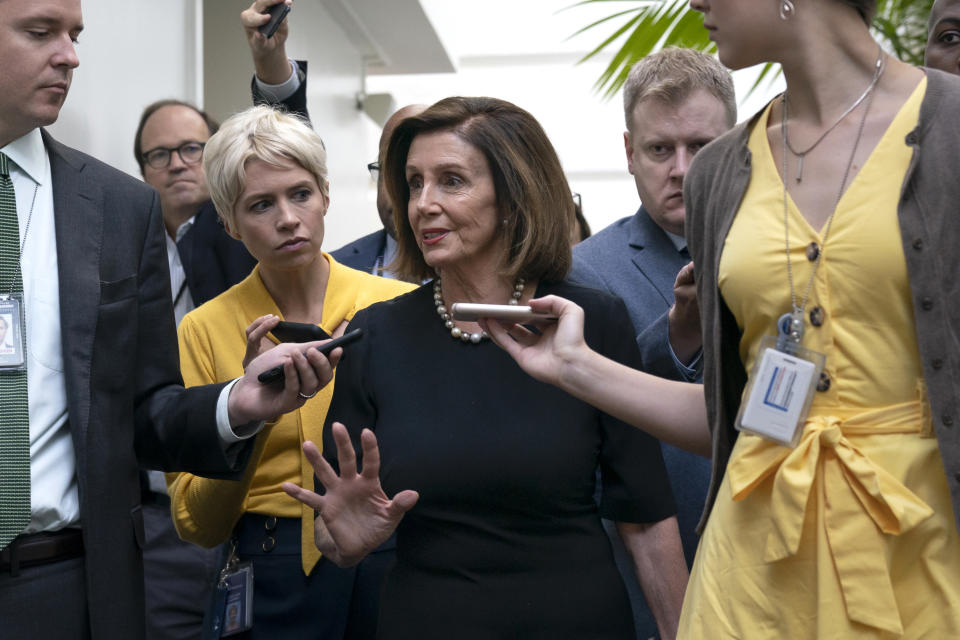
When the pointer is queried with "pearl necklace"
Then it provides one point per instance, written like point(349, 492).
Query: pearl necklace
point(455, 332)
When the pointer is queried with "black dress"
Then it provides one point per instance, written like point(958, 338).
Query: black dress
point(506, 540)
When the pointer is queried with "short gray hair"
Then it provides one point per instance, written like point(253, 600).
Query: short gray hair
point(672, 74)
point(260, 133)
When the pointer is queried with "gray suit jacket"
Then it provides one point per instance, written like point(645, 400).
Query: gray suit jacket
point(125, 399)
point(635, 260)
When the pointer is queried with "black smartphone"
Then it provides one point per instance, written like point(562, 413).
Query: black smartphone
point(277, 13)
point(298, 332)
point(276, 374)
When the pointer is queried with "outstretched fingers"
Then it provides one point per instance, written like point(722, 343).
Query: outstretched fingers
point(321, 468)
point(371, 455)
point(346, 456)
point(307, 497)
point(401, 503)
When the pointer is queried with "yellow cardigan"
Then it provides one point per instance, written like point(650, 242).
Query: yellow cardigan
point(212, 346)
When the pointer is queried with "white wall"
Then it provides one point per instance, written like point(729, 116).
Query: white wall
point(334, 66)
point(131, 53)
point(531, 60)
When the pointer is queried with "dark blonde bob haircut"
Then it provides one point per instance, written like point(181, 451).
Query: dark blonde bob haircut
point(533, 198)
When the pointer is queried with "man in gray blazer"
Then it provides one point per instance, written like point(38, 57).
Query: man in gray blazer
point(102, 391)
point(675, 102)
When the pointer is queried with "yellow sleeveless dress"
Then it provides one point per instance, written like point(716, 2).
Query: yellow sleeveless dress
point(850, 535)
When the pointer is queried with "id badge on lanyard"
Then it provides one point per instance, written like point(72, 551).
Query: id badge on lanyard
point(780, 389)
point(233, 597)
point(12, 342)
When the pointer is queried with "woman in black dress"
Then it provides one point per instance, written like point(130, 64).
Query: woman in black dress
point(502, 538)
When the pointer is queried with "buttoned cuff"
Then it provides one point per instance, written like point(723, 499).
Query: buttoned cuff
point(277, 93)
point(690, 372)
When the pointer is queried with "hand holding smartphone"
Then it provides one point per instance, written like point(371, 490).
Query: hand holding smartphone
point(277, 13)
point(471, 312)
point(276, 374)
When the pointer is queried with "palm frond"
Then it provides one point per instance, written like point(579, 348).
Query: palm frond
point(901, 25)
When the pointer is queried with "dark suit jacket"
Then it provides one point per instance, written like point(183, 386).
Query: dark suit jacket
point(634, 259)
point(295, 104)
point(212, 260)
point(125, 399)
point(362, 253)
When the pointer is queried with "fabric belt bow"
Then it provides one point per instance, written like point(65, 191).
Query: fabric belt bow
point(852, 484)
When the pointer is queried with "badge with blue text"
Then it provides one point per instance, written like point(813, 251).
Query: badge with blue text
point(781, 386)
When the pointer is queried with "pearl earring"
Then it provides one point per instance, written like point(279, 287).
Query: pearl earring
point(786, 9)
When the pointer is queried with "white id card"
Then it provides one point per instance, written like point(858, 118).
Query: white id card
point(12, 344)
point(777, 399)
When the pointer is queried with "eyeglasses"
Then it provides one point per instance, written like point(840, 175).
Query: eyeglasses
point(189, 152)
point(374, 169)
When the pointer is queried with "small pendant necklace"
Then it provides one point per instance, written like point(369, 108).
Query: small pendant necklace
point(456, 332)
point(790, 325)
point(878, 71)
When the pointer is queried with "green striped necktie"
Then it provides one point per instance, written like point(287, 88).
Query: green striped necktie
point(14, 416)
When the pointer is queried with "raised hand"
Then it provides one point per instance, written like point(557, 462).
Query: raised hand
point(684, 316)
point(544, 356)
point(355, 514)
point(269, 54)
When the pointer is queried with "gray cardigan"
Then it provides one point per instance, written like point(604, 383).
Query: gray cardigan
point(929, 215)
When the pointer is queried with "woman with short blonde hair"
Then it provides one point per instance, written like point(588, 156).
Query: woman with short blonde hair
point(268, 178)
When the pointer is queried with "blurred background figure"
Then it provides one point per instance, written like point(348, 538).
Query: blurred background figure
point(581, 228)
point(374, 252)
point(943, 37)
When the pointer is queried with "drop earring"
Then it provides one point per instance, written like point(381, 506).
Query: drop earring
point(786, 9)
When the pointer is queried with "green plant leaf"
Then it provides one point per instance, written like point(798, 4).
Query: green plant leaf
point(899, 25)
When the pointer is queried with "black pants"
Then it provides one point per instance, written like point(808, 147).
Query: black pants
point(47, 601)
point(329, 604)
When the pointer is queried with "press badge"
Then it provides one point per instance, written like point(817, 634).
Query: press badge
point(233, 605)
point(12, 344)
point(779, 391)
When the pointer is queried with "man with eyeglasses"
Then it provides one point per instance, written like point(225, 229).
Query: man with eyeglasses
point(204, 261)
point(373, 253)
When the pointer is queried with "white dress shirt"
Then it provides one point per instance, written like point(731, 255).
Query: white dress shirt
point(180, 291)
point(54, 499)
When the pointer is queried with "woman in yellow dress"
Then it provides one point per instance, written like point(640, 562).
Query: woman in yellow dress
point(829, 220)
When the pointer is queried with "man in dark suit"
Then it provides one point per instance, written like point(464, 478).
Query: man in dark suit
point(102, 392)
point(373, 253)
point(675, 102)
